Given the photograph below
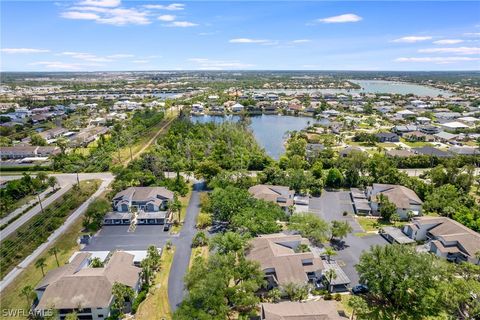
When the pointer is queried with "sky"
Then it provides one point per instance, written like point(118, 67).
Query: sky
point(119, 35)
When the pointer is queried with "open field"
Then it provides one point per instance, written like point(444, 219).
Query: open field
point(156, 305)
point(36, 231)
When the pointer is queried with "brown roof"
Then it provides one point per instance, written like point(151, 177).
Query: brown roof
point(401, 196)
point(311, 310)
point(276, 251)
point(273, 193)
point(87, 287)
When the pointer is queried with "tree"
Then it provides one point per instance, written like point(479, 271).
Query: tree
point(329, 252)
point(387, 208)
point(176, 206)
point(207, 169)
point(62, 143)
point(395, 218)
point(96, 263)
point(41, 264)
point(225, 203)
point(54, 251)
point(37, 140)
point(340, 229)
point(409, 286)
point(310, 226)
point(330, 275)
point(52, 182)
point(296, 292)
point(200, 240)
point(274, 295)
point(93, 217)
point(71, 316)
point(229, 242)
point(334, 178)
point(121, 294)
point(27, 292)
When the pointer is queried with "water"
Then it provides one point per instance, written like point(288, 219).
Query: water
point(370, 86)
point(269, 130)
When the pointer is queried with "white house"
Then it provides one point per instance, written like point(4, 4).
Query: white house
point(405, 199)
point(237, 107)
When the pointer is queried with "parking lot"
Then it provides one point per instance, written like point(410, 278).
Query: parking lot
point(330, 206)
point(117, 237)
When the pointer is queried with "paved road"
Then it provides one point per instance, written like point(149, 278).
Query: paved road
point(181, 260)
point(66, 181)
point(57, 233)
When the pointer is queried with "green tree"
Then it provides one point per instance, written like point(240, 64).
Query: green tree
point(200, 239)
point(310, 226)
point(71, 316)
point(296, 292)
point(329, 252)
point(387, 208)
point(52, 182)
point(229, 242)
point(340, 229)
point(330, 275)
point(41, 264)
point(334, 178)
point(37, 140)
point(27, 292)
point(96, 263)
point(54, 250)
point(176, 206)
point(121, 294)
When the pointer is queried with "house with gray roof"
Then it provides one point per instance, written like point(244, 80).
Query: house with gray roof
point(281, 195)
point(309, 310)
point(405, 199)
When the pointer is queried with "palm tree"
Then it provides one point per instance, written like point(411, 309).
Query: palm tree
point(330, 274)
point(52, 182)
point(54, 251)
point(40, 264)
point(176, 205)
point(477, 255)
point(329, 251)
point(27, 292)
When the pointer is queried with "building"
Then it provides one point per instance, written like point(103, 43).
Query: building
point(403, 153)
point(349, 150)
point(406, 200)
point(21, 152)
point(387, 137)
point(431, 151)
point(237, 107)
point(282, 261)
point(445, 237)
point(288, 310)
point(280, 195)
point(78, 287)
point(140, 205)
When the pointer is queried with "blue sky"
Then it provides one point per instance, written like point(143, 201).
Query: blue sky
point(91, 35)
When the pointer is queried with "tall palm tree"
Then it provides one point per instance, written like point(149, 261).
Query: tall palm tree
point(40, 264)
point(329, 251)
point(330, 274)
point(27, 292)
point(54, 251)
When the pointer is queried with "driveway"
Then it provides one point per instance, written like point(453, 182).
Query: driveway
point(183, 250)
point(330, 206)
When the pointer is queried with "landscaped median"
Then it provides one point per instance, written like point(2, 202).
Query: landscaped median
point(36, 231)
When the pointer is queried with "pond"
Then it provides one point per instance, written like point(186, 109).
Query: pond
point(269, 130)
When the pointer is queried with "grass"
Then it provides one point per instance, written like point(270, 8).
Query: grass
point(372, 224)
point(35, 232)
point(196, 253)
point(66, 244)
point(416, 144)
point(343, 305)
point(156, 305)
point(184, 200)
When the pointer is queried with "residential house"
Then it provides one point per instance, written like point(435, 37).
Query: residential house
point(405, 114)
point(77, 287)
point(446, 137)
point(21, 152)
point(310, 310)
point(401, 130)
point(429, 130)
point(140, 205)
point(387, 137)
point(431, 151)
point(454, 125)
point(348, 150)
point(282, 261)
point(445, 237)
point(402, 153)
point(280, 195)
point(405, 199)
point(237, 107)
point(465, 151)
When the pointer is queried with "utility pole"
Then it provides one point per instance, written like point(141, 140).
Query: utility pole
point(40, 201)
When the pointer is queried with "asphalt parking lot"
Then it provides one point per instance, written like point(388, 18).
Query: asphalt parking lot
point(330, 206)
point(117, 237)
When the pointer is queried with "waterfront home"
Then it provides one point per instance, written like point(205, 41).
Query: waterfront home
point(288, 310)
point(280, 195)
point(285, 259)
point(140, 205)
point(445, 237)
point(237, 107)
point(78, 287)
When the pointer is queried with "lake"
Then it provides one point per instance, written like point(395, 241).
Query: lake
point(269, 130)
point(370, 86)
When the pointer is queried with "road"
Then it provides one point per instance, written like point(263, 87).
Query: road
point(108, 178)
point(66, 181)
point(183, 250)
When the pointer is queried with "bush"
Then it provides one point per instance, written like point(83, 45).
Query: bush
point(204, 220)
point(327, 296)
point(140, 297)
point(337, 297)
point(200, 240)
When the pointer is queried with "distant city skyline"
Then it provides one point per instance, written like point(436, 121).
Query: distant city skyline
point(115, 35)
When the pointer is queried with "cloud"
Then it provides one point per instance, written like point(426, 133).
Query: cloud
point(254, 41)
point(437, 60)
point(207, 64)
point(118, 16)
point(412, 39)
point(59, 65)
point(472, 34)
point(448, 41)
point(140, 61)
point(23, 50)
point(457, 50)
point(85, 56)
point(166, 17)
point(76, 15)
point(182, 24)
point(170, 7)
point(120, 56)
point(343, 18)
point(101, 3)
point(302, 41)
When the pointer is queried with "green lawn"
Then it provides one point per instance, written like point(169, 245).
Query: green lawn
point(371, 224)
point(416, 144)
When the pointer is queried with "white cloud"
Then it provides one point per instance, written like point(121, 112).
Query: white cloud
point(448, 41)
point(437, 60)
point(23, 50)
point(472, 34)
point(255, 41)
point(101, 3)
point(140, 61)
point(457, 50)
point(343, 18)
point(412, 39)
point(59, 65)
point(166, 17)
point(181, 24)
point(85, 56)
point(302, 41)
point(170, 7)
point(76, 15)
point(120, 56)
point(207, 64)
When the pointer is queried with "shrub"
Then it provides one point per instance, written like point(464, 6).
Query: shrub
point(140, 297)
point(200, 240)
point(204, 220)
point(327, 296)
point(338, 297)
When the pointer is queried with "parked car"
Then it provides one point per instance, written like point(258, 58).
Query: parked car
point(359, 289)
point(166, 227)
